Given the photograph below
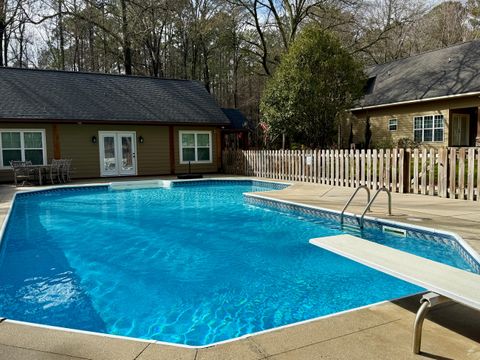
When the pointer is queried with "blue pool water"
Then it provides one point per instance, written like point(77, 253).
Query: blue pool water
point(189, 264)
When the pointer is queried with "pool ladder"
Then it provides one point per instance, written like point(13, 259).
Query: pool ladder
point(369, 203)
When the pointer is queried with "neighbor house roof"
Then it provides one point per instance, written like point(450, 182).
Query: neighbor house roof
point(450, 71)
point(48, 95)
point(237, 120)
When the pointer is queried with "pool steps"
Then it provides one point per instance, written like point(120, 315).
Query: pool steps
point(142, 184)
point(369, 203)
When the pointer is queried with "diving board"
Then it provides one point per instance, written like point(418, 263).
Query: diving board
point(449, 282)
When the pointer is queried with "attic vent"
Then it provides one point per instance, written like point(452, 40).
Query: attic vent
point(370, 85)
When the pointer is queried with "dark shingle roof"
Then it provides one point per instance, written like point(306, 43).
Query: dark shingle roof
point(449, 71)
point(60, 95)
point(237, 119)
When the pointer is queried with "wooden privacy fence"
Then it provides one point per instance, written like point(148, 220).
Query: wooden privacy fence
point(446, 172)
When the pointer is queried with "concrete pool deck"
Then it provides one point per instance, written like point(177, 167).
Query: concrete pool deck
point(382, 331)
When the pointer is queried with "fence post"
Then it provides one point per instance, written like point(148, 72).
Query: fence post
point(405, 171)
point(394, 170)
point(347, 168)
point(369, 169)
point(423, 177)
point(461, 174)
point(332, 167)
point(452, 169)
point(415, 171)
point(381, 170)
point(337, 167)
point(431, 173)
point(341, 168)
point(388, 159)
point(471, 172)
point(362, 167)
point(357, 168)
point(443, 162)
point(408, 171)
point(478, 174)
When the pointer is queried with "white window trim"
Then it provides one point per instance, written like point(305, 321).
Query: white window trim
point(22, 145)
point(433, 128)
point(396, 124)
point(195, 132)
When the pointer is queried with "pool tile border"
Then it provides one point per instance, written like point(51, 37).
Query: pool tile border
point(267, 185)
point(60, 190)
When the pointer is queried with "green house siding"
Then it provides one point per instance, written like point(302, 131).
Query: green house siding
point(74, 141)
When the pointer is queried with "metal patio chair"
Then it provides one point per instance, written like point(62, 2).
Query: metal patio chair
point(66, 170)
point(21, 172)
point(55, 170)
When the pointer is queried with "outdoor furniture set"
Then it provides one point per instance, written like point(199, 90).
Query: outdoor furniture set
point(24, 172)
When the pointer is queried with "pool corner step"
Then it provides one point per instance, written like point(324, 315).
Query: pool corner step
point(143, 184)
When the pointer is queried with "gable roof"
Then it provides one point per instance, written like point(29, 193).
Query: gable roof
point(454, 70)
point(237, 119)
point(49, 95)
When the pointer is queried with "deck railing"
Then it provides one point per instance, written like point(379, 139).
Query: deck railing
point(445, 172)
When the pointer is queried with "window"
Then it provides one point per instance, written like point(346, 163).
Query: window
point(22, 145)
point(428, 128)
point(195, 147)
point(392, 124)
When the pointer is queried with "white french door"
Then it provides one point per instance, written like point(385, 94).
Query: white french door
point(117, 153)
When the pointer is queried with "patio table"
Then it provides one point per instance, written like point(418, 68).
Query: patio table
point(40, 169)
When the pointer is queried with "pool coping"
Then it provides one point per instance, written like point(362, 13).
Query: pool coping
point(461, 242)
point(185, 346)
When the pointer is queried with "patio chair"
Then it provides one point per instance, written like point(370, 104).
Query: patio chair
point(21, 172)
point(55, 170)
point(66, 170)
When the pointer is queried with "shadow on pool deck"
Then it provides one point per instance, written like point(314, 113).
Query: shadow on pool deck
point(382, 331)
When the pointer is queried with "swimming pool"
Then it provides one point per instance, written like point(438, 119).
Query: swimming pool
point(190, 264)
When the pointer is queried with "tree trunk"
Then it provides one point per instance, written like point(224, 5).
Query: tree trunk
point(21, 29)
point(2, 32)
point(206, 70)
point(127, 47)
point(104, 42)
point(6, 41)
point(61, 35)
point(91, 40)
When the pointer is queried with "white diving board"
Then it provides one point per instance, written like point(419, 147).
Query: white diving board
point(459, 285)
point(448, 282)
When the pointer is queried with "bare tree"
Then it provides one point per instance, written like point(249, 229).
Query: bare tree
point(9, 10)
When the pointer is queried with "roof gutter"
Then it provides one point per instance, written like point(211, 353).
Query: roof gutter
point(416, 101)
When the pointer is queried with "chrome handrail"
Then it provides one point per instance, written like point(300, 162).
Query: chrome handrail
point(351, 198)
point(371, 202)
point(427, 301)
